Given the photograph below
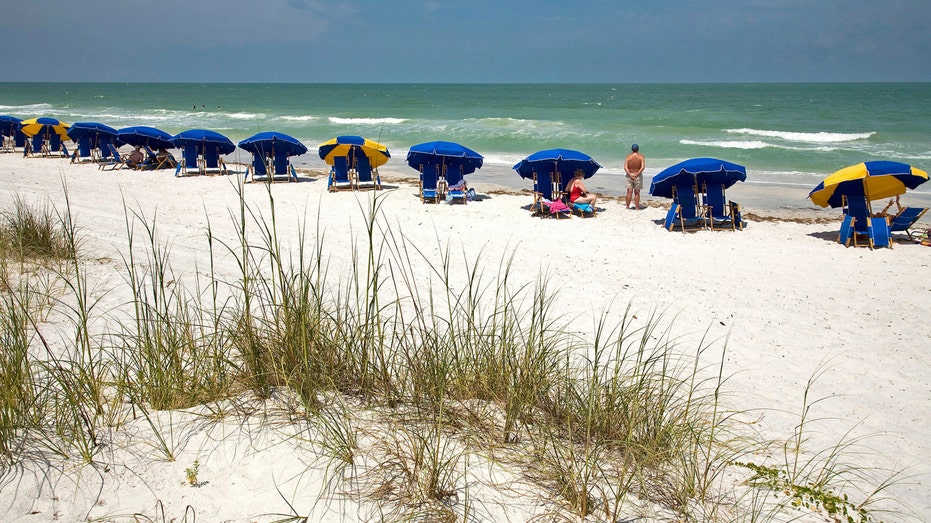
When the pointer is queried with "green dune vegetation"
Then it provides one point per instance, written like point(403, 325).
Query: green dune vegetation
point(405, 390)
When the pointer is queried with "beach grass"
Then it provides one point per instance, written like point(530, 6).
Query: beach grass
point(442, 371)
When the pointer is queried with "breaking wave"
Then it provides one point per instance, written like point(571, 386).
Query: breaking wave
point(819, 137)
point(366, 121)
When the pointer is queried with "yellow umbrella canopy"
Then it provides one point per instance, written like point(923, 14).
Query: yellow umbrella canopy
point(874, 180)
point(44, 125)
point(350, 145)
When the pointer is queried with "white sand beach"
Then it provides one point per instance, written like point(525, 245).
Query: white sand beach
point(785, 300)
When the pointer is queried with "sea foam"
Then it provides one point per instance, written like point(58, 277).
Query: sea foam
point(366, 121)
point(819, 137)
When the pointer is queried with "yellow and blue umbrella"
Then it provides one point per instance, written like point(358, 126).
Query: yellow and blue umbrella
point(875, 180)
point(350, 146)
point(44, 126)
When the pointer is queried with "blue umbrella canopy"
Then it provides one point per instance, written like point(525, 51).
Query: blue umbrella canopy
point(145, 136)
point(201, 138)
point(698, 171)
point(448, 153)
point(564, 161)
point(9, 125)
point(94, 129)
point(269, 143)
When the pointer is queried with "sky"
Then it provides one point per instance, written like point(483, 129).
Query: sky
point(482, 41)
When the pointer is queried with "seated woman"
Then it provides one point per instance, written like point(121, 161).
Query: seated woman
point(577, 191)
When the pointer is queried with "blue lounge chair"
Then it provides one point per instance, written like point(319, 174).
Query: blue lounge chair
point(542, 189)
point(455, 185)
point(736, 215)
point(905, 219)
point(283, 166)
point(36, 145)
point(548, 197)
point(845, 235)
point(105, 150)
point(855, 206)
point(429, 183)
point(189, 159)
point(55, 145)
point(878, 230)
point(115, 161)
point(259, 167)
point(365, 174)
point(213, 161)
point(84, 150)
point(339, 175)
point(716, 210)
point(684, 208)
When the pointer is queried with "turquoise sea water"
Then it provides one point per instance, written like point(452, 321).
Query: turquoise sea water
point(786, 134)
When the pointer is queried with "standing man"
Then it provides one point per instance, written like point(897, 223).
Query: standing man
point(633, 166)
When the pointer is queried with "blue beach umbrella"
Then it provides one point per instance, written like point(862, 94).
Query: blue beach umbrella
point(201, 138)
point(563, 161)
point(145, 136)
point(94, 130)
point(9, 125)
point(448, 153)
point(270, 143)
point(698, 171)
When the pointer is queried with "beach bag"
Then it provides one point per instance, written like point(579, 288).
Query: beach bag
point(470, 195)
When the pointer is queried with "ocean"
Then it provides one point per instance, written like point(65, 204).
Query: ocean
point(788, 135)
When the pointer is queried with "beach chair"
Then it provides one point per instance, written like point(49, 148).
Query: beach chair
point(455, 184)
point(36, 146)
point(84, 152)
point(189, 160)
point(716, 210)
point(213, 162)
point(545, 190)
point(878, 231)
point(583, 209)
point(55, 145)
point(340, 178)
point(13, 139)
point(845, 235)
point(19, 139)
point(104, 150)
point(150, 160)
point(365, 175)
point(165, 161)
point(684, 209)
point(259, 167)
point(430, 188)
point(905, 219)
point(855, 206)
point(283, 167)
point(115, 160)
point(736, 215)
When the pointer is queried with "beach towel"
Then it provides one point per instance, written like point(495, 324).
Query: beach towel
point(555, 206)
point(584, 207)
